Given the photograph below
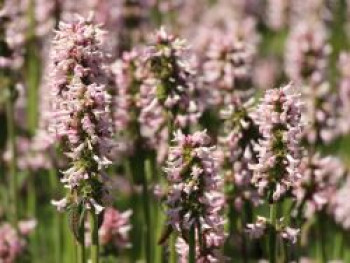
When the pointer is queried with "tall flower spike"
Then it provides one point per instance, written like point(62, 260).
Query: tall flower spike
point(240, 134)
point(307, 53)
point(128, 76)
point(195, 197)
point(323, 114)
point(279, 118)
point(228, 67)
point(319, 183)
point(80, 111)
point(171, 78)
point(139, 120)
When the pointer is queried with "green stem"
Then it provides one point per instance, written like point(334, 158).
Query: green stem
point(272, 234)
point(81, 243)
point(338, 245)
point(231, 218)
point(32, 212)
point(31, 196)
point(11, 134)
point(346, 246)
point(192, 245)
point(32, 71)
point(94, 237)
point(245, 218)
point(172, 248)
point(69, 243)
point(56, 219)
point(172, 241)
point(81, 251)
point(322, 255)
point(134, 169)
point(147, 213)
point(285, 255)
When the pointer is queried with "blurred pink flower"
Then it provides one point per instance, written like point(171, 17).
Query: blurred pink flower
point(279, 152)
point(307, 53)
point(115, 228)
point(13, 243)
point(319, 183)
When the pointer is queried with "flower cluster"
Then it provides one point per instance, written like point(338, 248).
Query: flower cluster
point(323, 114)
point(240, 134)
point(266, 72)
point(340, 205)
point(44, 13)
point(279, 118)
point(139, 119)
point(312, 11)
point(257, 229)
point(80, 110)
point(276, 11)
point(344, 90)
point(320, 180)
point(170, 80)
point(260, 227)
point(128, 79)
point(115, 228)
point(12, 242)
point(227, 67)
point(32, 154)
point(12, 33)
point(195, 197)
point(307, 53)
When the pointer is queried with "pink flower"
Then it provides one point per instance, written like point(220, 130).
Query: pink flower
point(277, 14)
point(195, 196)
point(81, 108)
point(240, 134)
point(307, 53)
point(12, 245)
point(279, 118)
point(14, 20)
point(171, 79)
point(227, 68)
point(115, 228)
point(319, 183)
point(340, 205)
point(324, 115)
point(344, 91)
point(257, 230)
point(290, 234)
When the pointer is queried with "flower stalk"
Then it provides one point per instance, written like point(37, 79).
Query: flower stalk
point(272, 234)
point(192, 245)
point(11, 133)
point(94, 237)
